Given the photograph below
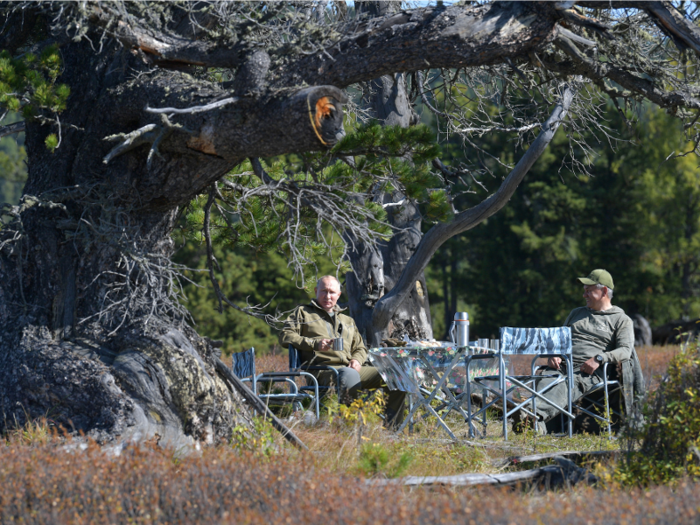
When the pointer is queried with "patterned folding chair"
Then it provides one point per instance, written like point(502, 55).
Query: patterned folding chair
point(540, 342)
point(244, 367)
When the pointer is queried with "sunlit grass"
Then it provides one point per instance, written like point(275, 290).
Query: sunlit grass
point(51, 483)
point(46, 479)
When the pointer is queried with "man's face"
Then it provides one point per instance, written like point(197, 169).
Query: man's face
point(327, 294)
point(593, 296)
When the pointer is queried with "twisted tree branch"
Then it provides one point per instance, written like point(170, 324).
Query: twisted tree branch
point(467, 219)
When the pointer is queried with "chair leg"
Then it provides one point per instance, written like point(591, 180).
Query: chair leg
point(605, 420)
point(607, 406)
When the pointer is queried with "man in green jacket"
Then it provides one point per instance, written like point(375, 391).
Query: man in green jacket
point(600, 333)
point(312, 328)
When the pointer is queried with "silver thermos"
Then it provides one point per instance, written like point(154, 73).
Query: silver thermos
point(459, 331)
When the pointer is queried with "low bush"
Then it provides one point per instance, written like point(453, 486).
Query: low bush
point(379, 459)
point(665, 449)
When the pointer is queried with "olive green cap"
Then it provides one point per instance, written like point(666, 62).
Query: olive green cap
point(599, 277)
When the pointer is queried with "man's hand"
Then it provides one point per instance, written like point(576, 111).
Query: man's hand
point(554, 362)
point(590, 366)
point(324, 345)
point(354, 364)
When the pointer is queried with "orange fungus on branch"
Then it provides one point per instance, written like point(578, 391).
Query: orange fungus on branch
point(324, 108)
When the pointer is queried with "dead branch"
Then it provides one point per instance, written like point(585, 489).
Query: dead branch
point(193, 109)
point(9, 129)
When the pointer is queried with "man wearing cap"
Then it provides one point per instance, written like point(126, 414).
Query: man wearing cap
point(600, 333)
point(312, 328)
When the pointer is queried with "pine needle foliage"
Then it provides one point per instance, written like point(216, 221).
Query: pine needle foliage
point(304, 206)
point(28, 82)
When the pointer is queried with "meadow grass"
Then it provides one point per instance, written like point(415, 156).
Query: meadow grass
point(44, 479)
point(45, 482)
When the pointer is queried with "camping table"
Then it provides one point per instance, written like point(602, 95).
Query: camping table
point(425, 373)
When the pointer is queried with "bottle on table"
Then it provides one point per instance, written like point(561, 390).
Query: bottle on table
point(459, 331)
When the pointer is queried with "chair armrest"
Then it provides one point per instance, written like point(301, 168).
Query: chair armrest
point(320, 367)
point(272, 375)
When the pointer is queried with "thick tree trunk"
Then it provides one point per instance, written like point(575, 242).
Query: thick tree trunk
point(92, 335)
point(376, 270)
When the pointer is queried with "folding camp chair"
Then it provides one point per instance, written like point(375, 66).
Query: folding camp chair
point(588, 404)
point(295, 365)
point(243, 366)
point(540, 342)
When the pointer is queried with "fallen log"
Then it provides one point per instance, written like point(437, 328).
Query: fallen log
point(514, 460)
point(565, 473)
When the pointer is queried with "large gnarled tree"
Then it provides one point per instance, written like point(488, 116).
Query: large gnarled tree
point(166, 99)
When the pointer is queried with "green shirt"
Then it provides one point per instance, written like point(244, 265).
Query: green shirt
point(609, 333)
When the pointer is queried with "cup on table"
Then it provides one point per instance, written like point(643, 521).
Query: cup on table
point(338, 344)
point(483, 343)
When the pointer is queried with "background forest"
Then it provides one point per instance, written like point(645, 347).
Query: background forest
point(631, 209)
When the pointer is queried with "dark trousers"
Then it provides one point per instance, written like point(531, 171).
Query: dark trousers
point(353, 382)
point(582, 384)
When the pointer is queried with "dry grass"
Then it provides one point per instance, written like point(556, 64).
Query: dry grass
point(654, 361)
point(43, 481)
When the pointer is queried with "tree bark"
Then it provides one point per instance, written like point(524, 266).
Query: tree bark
point(376, 269)
point(92, 338)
